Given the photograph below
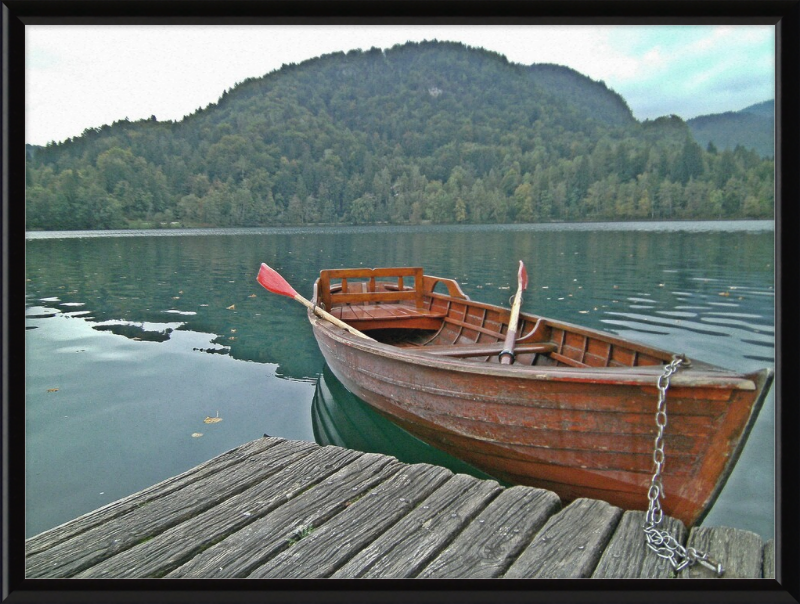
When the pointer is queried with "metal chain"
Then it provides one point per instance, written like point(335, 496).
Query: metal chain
point(659, 540)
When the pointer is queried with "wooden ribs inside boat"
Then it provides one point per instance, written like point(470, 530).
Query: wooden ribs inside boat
point(396, 304)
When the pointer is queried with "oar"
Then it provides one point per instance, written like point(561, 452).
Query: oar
point(507, 356)
point(272, 281)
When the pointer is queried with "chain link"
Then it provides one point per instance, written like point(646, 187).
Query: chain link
point(659, 540)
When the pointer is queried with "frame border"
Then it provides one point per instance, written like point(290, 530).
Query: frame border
point(784, 14)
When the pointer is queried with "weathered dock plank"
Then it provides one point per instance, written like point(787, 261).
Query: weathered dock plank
point(326, 550)
point(221, 463)
point(740, 552)
point(627, 556)
point(241, 552)
point(274, 508)
point(488, 546)
point(175, 546)
point(768, 567)
point(100, 542)
point(570, 544)
point(408, 546)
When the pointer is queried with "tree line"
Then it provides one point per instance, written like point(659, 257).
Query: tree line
point(423, 132)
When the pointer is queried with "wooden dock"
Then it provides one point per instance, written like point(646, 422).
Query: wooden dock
point(275, 508)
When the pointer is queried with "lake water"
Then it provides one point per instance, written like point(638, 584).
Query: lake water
point(133, 339)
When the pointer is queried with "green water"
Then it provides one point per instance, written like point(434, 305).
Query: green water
point(133, 339)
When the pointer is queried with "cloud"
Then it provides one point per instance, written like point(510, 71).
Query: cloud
point(695, 70)
point(86, 76)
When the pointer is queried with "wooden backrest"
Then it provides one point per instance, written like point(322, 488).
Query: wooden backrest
point(389, 291)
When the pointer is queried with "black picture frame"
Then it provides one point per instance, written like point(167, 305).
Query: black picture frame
point(783, 14)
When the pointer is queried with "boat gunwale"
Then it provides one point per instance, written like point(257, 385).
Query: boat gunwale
point(701, 375)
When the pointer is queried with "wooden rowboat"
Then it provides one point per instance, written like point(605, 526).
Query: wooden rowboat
point(575, 413)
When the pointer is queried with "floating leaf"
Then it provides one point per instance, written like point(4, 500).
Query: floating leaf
point(52, 389)
point(197, 434)
point(213, 420)
point(252, 296)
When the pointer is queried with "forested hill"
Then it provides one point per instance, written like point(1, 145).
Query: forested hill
point(420, 132)
point(753, 128)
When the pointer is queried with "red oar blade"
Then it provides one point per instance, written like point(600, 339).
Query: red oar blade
point(273, 282)
point(522, 276)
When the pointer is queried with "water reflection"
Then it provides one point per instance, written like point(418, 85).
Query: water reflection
point(589, 274)
point(342, 419)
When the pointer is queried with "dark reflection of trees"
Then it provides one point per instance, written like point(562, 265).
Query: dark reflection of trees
point(136, 279)
point(135, 332)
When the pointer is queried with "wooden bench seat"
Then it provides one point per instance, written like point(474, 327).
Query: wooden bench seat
point(386, 316)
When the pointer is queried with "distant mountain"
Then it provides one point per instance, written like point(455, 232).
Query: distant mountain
point(593, 98)
point(753, 128)
point(767, 109)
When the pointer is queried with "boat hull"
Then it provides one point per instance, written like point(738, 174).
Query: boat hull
point(579, 433)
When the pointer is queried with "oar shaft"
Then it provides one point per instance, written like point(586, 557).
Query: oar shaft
point(329, 317)
point(515, 308)
point(507, 356)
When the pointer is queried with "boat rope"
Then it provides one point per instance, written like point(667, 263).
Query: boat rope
point(659, 540)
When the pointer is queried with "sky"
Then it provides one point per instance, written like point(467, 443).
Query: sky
point(86, 76)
